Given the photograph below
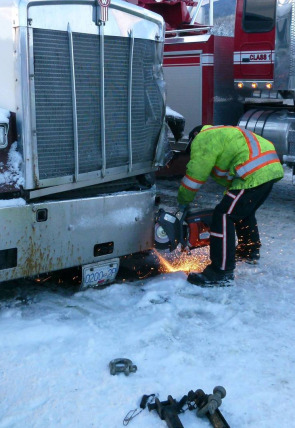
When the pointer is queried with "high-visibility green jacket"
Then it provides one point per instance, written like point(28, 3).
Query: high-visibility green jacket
point(236, 158)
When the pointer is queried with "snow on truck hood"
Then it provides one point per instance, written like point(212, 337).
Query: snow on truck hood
point(4, 115)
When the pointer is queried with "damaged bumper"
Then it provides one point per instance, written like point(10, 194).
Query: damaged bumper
point(48, 236)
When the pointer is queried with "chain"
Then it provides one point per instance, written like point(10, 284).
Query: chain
point(146, 399)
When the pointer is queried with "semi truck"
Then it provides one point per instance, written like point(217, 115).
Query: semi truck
point(82, 129)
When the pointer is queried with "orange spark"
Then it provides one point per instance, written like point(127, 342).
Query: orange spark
point(177, 261)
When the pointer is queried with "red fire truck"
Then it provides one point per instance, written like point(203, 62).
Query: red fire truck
point(238, 68)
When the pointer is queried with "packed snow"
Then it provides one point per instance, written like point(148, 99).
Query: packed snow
point(13, 174)
point(16, 202)
point(56, 342)
point(170, 112)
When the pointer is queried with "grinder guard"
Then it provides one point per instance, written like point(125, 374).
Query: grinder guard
point(170, 234)
point(192, 230)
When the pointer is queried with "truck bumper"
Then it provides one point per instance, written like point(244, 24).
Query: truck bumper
point(48, 236)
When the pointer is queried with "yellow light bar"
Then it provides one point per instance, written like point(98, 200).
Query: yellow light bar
point(254, 85)
point(269, 85)
point(240, 85)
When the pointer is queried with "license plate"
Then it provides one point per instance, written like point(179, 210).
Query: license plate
point(100, 273)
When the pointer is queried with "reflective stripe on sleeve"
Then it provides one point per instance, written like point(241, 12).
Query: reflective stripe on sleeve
point(253, 164)
point(222, 173)
point(191, 183)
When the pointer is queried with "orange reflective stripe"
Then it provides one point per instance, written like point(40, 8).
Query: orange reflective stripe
point(252, 142)
point(222, 173)
point(256, 163)
point(219, 169)
point(194, 179)
point(260, 166)
point(216, 127)
point(191, 183)
point(188, 188)
point(256, 159)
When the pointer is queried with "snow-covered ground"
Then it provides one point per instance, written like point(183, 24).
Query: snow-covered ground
point(56, 342)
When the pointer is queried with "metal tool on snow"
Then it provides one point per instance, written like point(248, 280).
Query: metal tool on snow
point(207, 405)
point(169, 410)
point(146, 399)
point(122, 365)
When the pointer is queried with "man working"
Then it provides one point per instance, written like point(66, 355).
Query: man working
point(247, 165)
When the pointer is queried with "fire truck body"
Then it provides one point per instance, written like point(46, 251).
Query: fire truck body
point(254, 43)
point(197, 85)
point(82, 110)
point(264, 70)
point(192, 59)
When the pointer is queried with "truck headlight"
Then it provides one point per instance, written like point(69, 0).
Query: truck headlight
point(3, 135)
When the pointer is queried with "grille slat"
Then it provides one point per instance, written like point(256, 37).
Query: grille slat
point(88, 93)
point(52, 83)
point(53, 102)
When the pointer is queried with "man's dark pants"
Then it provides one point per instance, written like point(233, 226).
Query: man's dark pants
point(236, 212)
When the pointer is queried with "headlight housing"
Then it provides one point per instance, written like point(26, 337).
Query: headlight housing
point(3, 135)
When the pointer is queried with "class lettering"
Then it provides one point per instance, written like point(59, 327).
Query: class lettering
point(258, 57)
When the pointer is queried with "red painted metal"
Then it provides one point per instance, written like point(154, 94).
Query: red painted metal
point(203, 59)
point(175, 60)
point(175, 12)
point(177, 17)
point(256, 49)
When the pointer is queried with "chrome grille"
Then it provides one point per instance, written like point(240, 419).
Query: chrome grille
point(53, 99)
point(116, 100)
point(54, 107)
point(87, 76)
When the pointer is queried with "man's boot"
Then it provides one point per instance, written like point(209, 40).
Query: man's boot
point(211, 277)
